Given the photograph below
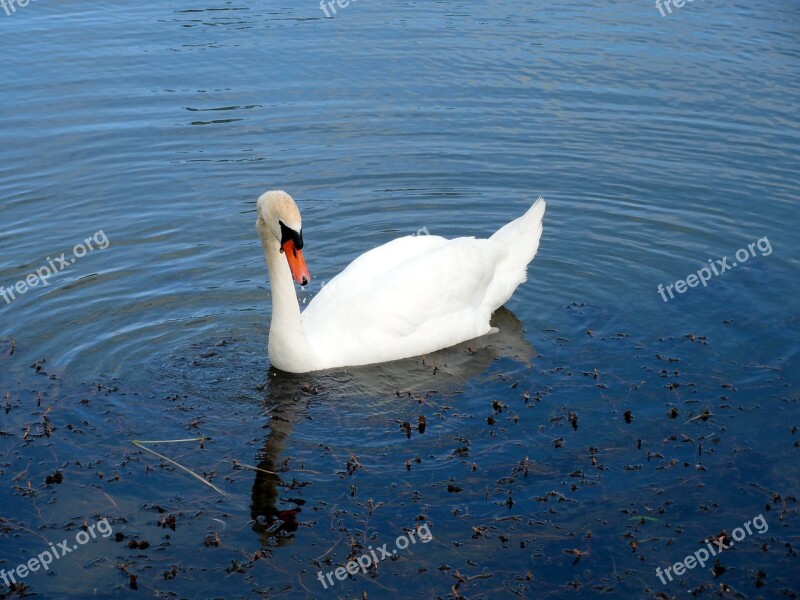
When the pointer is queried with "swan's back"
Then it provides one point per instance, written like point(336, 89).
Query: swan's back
point(418, 294)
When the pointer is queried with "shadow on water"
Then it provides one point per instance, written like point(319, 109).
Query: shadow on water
point(288, 396)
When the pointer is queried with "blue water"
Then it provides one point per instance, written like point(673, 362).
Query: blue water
point(659, 142)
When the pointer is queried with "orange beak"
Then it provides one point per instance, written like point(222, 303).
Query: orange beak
point(297, 263)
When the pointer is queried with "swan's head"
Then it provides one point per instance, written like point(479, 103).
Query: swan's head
point(279, 220)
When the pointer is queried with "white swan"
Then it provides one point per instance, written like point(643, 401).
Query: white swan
point(411, 296)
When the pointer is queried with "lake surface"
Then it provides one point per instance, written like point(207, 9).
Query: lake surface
point(603, 434)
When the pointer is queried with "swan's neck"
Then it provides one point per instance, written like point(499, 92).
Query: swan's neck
point(289, 348)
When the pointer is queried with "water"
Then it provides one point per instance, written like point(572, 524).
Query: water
point(659, 143)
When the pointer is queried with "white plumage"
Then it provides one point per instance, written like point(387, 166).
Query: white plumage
point(411, 296)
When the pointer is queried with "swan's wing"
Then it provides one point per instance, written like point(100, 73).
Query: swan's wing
point(408, 297)
point(360, 274)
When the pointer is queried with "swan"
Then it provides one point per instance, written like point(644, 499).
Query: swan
point(411, 296)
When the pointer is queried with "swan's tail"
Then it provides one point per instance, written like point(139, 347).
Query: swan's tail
point(521, 239)
point(523, 234)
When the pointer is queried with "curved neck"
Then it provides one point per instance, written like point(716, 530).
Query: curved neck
point(289, 349)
